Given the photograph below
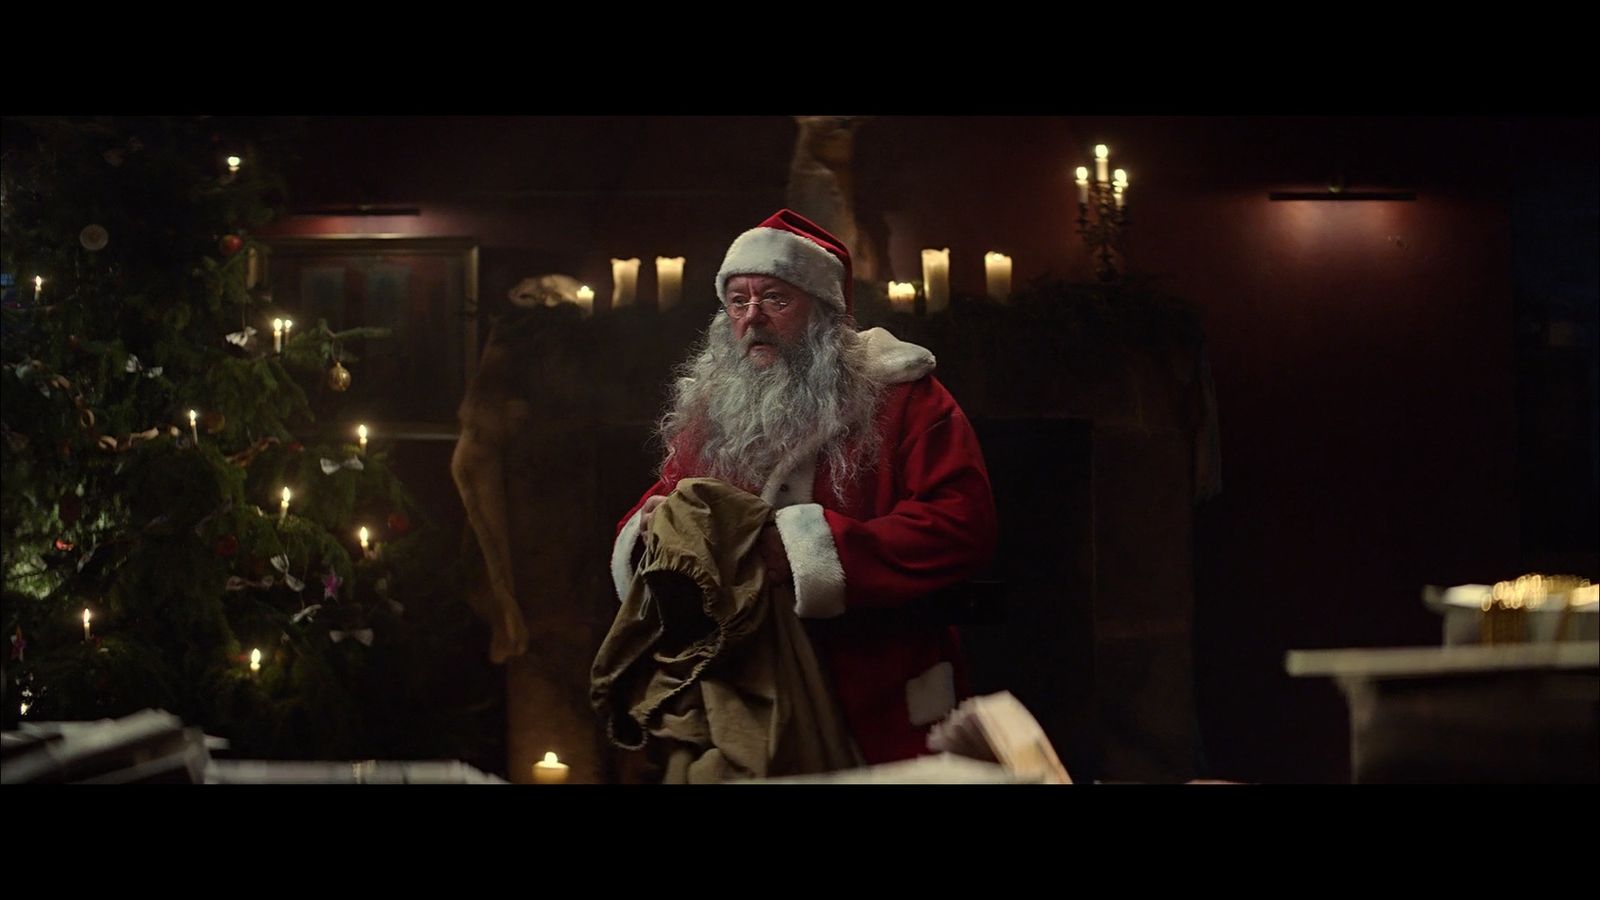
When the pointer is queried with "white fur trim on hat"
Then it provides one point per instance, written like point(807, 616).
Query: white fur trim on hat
point(783, 254)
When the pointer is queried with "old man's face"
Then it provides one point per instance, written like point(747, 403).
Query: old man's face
point(763, 329)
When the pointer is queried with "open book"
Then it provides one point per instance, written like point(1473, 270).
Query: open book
point(998, 728)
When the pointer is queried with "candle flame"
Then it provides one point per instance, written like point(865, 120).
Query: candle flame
point(1101, 151)
point(234, 161)
point(550, 760)
point(86, 616)
point(361, 432)
point(285, 495)
point(38, 282)
point(363, 535)
point(192, 417)
point(1083, 174)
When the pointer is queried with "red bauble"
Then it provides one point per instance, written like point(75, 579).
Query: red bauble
point(230, 244)
point(398, 523)
point(294, 446)
point(226, 546)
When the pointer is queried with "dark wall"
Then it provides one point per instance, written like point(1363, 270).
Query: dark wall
point(1363, 353)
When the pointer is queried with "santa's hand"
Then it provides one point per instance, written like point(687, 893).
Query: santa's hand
point(648, 510)
point(773, 554)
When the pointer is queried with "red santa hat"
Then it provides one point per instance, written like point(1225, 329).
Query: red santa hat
point(791, 247)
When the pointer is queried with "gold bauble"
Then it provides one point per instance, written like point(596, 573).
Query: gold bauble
point(339, 377)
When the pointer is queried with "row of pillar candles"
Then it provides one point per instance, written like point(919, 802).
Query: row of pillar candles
point(935, 280)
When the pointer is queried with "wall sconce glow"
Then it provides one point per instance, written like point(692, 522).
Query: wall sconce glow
point(1102, 157)
point(255, 661)
point(997, 274)
point(624, 281)
point(936, 278)
point(669, 281)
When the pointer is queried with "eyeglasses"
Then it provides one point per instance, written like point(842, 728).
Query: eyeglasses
point(738, 309)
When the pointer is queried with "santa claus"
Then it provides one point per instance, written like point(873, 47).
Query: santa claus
point(879, 487)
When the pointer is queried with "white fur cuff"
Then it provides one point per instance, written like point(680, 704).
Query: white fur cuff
point(622, 556)
point(818, 577)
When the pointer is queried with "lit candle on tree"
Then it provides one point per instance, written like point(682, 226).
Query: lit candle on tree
point(1102, 155)
point(194, 428)
point(550, 770)
point(283, 508)
point(255, 661)
point(86, 623)
point(287, 324)
point(363, 537)
point(361, 437)
point(277, 335)
point(233, 165)
point(38, 287)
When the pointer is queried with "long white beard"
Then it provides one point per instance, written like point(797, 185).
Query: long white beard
point(731, 420)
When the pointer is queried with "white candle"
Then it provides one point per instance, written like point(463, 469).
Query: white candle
point(193, 428)
point(86, 623)
point(550, 770)
point(902, 296)
point(287, 324)
point(624, 278)
point(38, 287)
point(936, 278)
point(362, 536)
point(1120, 185)
point(283, 508)
point(361, 437)
point(586, 299)
point(1083, 185)
point(669, 281)
point(255, 661)
point(277, 335)
point(997, 272)
point(233, 165)
point(1102, 154)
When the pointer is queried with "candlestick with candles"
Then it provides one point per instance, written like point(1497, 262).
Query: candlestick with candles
point(1102, 214)
point(997, 274)
point(669, 281)
point(550, 770)
point(936, 278)
point(361, 438)
point(283, 508)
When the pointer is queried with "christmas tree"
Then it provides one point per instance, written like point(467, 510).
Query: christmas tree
point(169, 541)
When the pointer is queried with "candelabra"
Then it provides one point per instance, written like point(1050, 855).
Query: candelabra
point(1103, 213)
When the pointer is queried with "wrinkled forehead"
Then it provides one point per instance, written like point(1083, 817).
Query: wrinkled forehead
point(756, 284)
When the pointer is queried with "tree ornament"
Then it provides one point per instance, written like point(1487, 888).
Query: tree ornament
point(226, 546)
point(398, 523)
point(230, 244)
point(339, 377)
point(93, 238)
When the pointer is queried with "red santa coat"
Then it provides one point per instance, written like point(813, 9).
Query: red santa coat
point(919, 520)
